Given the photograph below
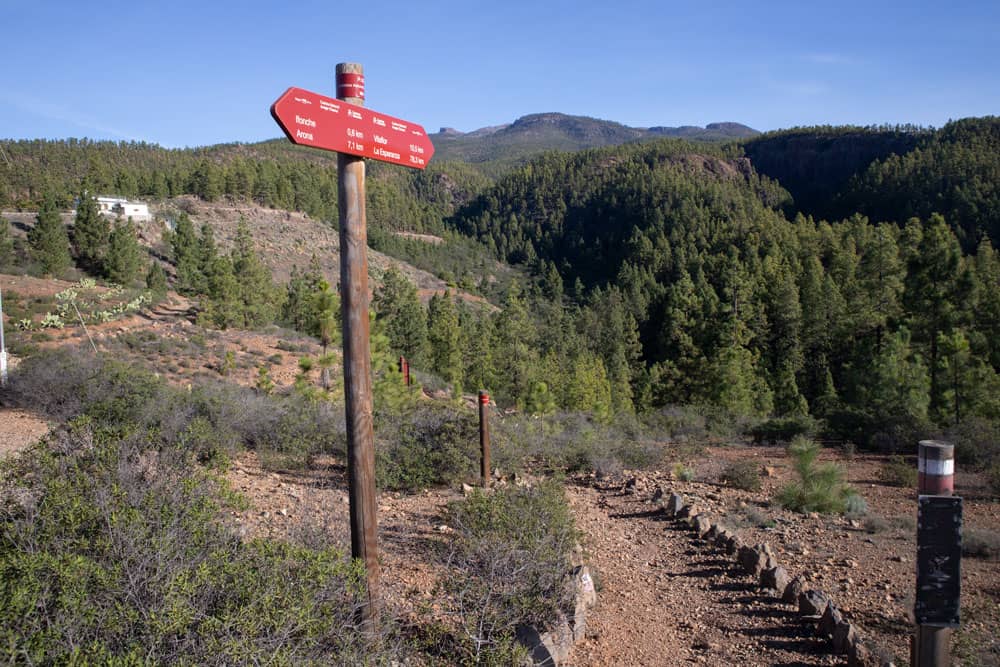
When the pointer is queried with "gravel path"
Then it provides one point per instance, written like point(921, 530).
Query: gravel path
point(666, 598)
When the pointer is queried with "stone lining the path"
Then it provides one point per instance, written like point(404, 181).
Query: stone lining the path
point(759, 562)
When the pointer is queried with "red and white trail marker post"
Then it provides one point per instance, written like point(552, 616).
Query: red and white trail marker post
point(344, 125)
point(939, 555)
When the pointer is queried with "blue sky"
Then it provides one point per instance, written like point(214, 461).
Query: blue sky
point(185, 73)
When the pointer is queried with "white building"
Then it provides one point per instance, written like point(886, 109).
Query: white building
point(117, 206)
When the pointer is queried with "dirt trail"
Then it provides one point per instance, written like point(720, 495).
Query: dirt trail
point(19, 429)
point(666, 598)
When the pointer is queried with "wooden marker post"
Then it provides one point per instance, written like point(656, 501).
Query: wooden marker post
point(357, 350)
point(939, 555)
point(344, 125)
point(3, 348)
point(484, 438)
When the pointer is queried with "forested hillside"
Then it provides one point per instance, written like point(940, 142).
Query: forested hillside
point(666, 272)
point(884, 329)
point(272, 173)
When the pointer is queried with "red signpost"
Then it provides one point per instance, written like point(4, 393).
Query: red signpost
point(354, 132)
point(310, 119)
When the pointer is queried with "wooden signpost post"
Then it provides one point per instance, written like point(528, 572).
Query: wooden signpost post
point(344, 125)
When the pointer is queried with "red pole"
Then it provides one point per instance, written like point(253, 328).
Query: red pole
point(484, 438)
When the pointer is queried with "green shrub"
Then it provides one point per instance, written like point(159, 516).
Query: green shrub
point(111, 552)
point(511, 563)
point(993, 479)
point(429, 445)
point(784, 429)
point(683, 473)
point(981, 543)
point(573, 442)
point(897, 471)
point(819, 487)
point(743, 475)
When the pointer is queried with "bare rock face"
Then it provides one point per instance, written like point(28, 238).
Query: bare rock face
point(813, 603)
point(775, 578)
point(793, 590)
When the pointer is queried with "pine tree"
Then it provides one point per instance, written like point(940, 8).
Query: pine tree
point(222, 307)
point(326, 305)
point(48, 241)
point(397, 306)
point(444, 337)
point(6, 243)
point(124, 261)
point(476, 343)
point(257, 293)
point(156, 279)
point(933, 296)
point(897, 384)
point(299, 306)
point(91, 234)
point(187, 257)
point(514, 351)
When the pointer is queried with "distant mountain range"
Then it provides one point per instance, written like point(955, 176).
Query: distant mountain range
point(556, 131)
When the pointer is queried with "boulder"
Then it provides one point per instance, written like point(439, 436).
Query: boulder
point(546, 648)
point(754, 560)
point(813, 603)
point(586, 597)
point(792, 591)
point(775, 578)
point(828, 622)
point(860, 655)
point(702, 525)
point(674, 504)
point(657, 495)
point(844, 636)
point(684, 512)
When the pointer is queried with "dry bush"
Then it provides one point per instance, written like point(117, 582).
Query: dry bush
point(511, 564)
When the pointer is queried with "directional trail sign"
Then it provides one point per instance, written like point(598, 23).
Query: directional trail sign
point(310, 119)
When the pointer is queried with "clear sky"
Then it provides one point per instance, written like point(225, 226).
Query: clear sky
point(190, 73)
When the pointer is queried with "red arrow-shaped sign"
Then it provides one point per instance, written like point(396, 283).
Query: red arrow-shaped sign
point(313, 120)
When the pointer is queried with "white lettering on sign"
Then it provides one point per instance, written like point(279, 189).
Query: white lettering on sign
point(305, 121)
point(416, 149)
point(416, 160)
point(355, 146)
point(303, 100)
point(299, 134)
point(379, 139)
point(355, 134)
point(329, 106)
point(416, 133)
point(381, 152)
point(354, 114)
point(399, 127)
point(378, 121)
